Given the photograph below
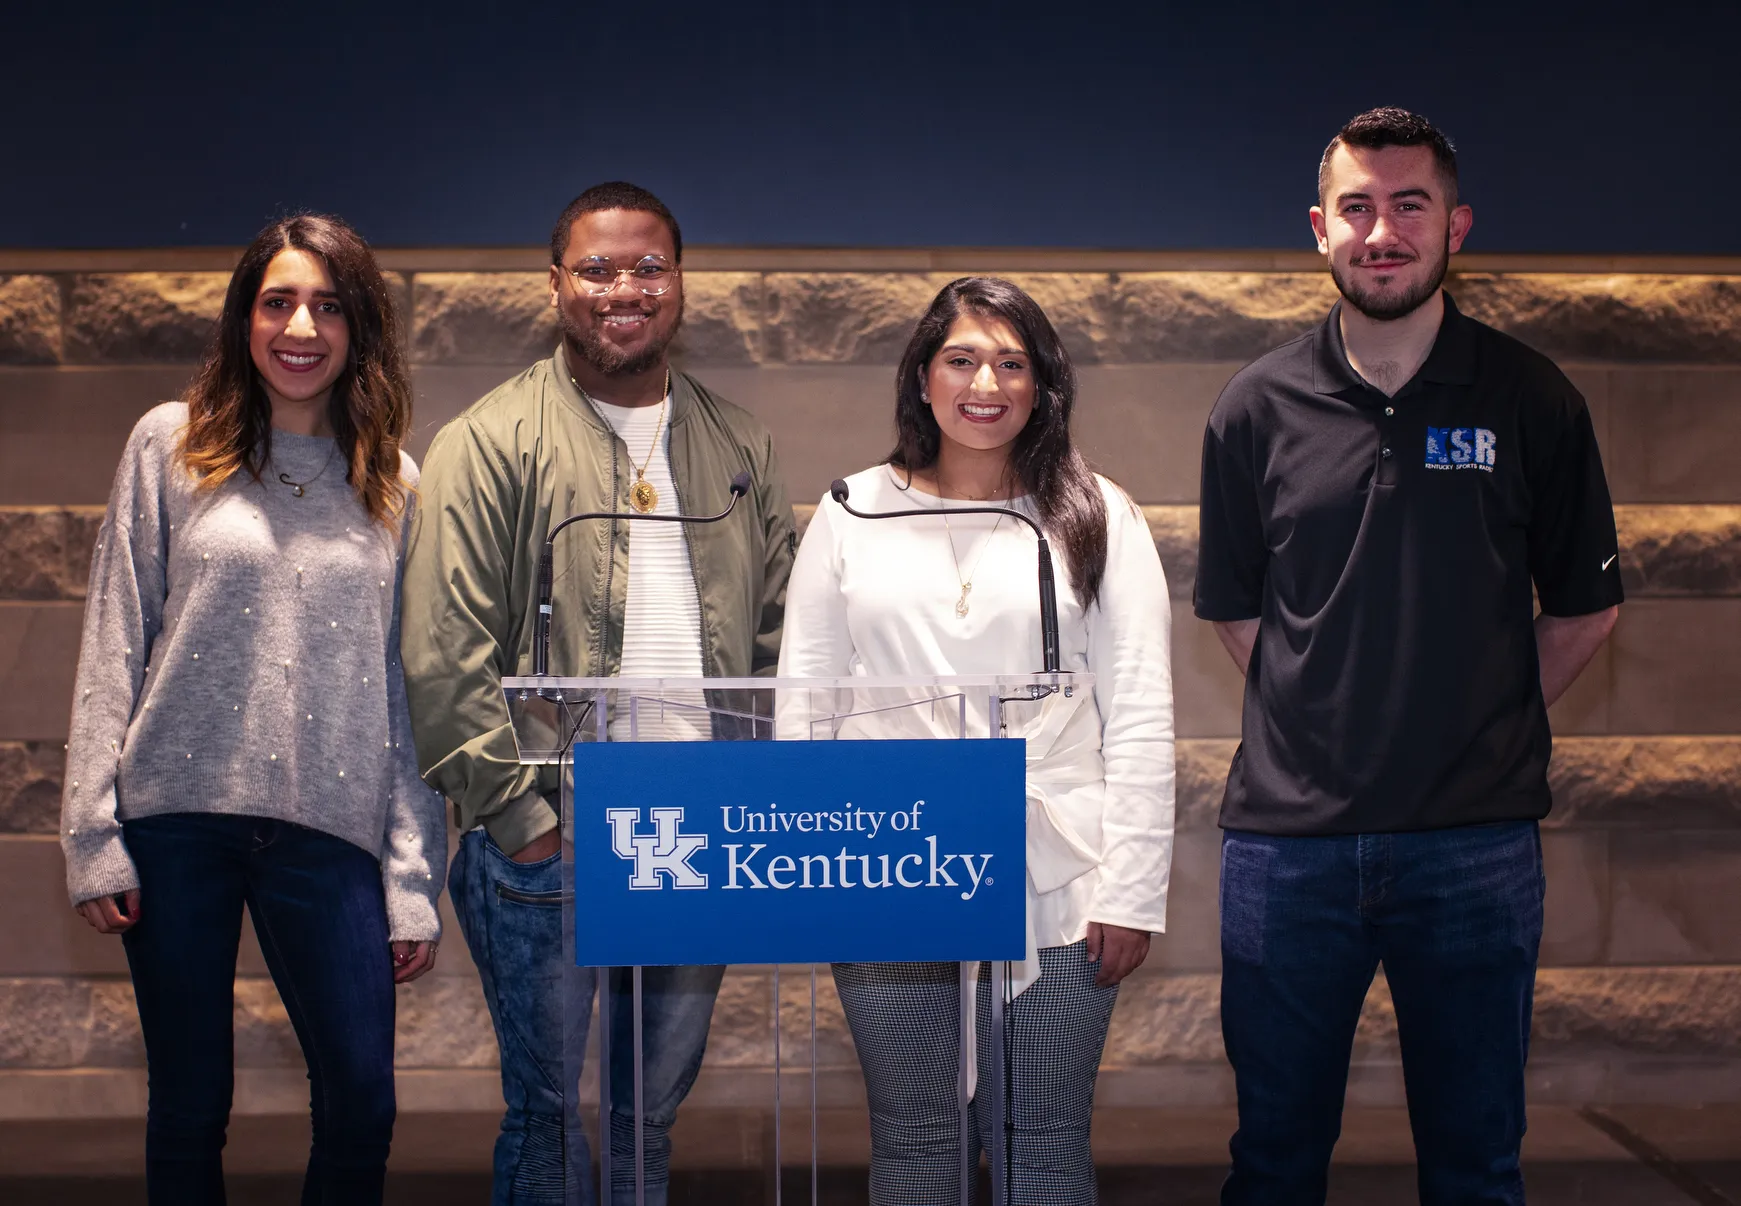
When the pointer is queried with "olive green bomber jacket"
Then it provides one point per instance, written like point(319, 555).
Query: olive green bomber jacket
point(495, 480)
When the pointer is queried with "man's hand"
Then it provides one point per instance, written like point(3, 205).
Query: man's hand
point(539, 848)
point(411, 959)
point(107, 917)
point(1118, 951)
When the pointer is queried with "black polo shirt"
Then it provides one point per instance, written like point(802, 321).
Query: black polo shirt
point(1388, 546)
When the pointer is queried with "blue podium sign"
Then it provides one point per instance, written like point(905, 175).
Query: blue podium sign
point(799, 851)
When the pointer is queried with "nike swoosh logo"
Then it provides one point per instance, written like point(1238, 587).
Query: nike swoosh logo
point(1610, 561)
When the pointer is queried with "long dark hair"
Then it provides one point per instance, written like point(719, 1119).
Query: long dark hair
point(229, 415)
point(1050, 469)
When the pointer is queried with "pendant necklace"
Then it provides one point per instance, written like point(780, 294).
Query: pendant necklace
point(961, 607)
point(643, 497)
point(300, 488)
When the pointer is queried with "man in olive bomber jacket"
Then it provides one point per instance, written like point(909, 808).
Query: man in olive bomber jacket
point(602, 425)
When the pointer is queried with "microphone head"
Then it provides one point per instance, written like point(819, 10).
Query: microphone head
point(837, 488)
point(740, 484)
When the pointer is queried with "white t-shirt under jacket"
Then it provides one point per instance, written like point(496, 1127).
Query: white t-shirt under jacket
point(662, 614)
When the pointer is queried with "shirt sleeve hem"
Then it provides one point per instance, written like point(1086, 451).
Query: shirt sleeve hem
point(1149, 925)
point(1567, 606)
point(1226, 613)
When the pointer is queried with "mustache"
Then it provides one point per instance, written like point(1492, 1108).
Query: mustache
point(588, 341)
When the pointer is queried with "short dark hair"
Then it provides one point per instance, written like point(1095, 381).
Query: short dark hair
point(614, 194)
point(1392, 127)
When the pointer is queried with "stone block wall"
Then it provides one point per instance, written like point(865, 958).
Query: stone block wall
point(1639, 997)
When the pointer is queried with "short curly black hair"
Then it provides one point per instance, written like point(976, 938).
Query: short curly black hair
point(614, 194)
point(1392, 127)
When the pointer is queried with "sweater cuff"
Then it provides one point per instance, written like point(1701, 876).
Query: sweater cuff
point(102, 868)
point(413, 916)
point(522, 821)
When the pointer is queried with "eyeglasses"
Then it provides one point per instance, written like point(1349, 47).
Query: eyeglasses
point(596, 275)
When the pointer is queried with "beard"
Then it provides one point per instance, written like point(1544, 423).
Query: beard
point(609, 361)
point(1387, 307)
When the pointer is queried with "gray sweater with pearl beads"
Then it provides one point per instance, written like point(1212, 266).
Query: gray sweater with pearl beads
point(241, 655)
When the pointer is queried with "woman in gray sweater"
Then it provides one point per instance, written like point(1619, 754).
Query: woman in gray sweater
point(239, 731)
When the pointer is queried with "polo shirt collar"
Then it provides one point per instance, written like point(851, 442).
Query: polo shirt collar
point(1452, 360)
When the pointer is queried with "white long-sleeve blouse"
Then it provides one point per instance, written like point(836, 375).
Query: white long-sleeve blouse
point(878, 598)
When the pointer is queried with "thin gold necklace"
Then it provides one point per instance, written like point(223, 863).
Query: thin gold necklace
point(301, 488)
point(642, 495)
point(966, 583)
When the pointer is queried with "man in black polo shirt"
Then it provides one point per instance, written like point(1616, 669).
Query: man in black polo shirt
point(1378, 497)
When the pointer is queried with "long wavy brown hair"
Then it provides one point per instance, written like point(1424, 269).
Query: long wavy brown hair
point(1045, 461)
point(229, 427)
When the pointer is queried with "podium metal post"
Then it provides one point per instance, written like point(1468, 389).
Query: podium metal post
point(606, 998)
point(1000, 1071)
point(964, 1053)
point(779, 1163)
point(606, 1007)
point(815, 1115)
point(999, 1039)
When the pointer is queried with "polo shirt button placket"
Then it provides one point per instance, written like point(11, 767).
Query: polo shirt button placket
point(1386, 457)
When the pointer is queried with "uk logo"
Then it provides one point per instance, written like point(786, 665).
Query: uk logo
point(1461, 448)
point(660, 856)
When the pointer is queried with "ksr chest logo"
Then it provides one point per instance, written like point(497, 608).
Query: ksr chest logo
point(1460, 448)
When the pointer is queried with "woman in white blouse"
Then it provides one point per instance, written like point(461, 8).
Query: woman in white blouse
point(982, 414)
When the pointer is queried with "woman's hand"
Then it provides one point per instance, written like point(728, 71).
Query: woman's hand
point(412, 959)
point(107, 917)
point(1118, 951)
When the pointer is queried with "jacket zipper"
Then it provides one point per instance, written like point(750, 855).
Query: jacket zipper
point(598, 660)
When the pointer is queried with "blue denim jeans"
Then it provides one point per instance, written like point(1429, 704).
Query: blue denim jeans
point(318, 909)
point(511, 914)
point(1455, 917)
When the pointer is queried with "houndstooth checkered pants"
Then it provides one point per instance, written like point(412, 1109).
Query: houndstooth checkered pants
point(904, 1019)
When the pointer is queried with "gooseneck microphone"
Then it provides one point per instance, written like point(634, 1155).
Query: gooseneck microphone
point(1048, 589)
point(740, 486)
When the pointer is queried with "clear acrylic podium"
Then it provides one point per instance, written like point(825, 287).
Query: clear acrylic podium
point(556, 720)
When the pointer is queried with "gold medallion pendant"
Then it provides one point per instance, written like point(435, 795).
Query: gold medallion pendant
point(643, 497)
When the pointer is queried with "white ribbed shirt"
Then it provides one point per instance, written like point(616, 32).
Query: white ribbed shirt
point(662, 617)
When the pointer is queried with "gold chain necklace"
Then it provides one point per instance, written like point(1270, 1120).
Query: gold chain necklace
point(967, 582)
point(642, 495)
point(301, 488)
